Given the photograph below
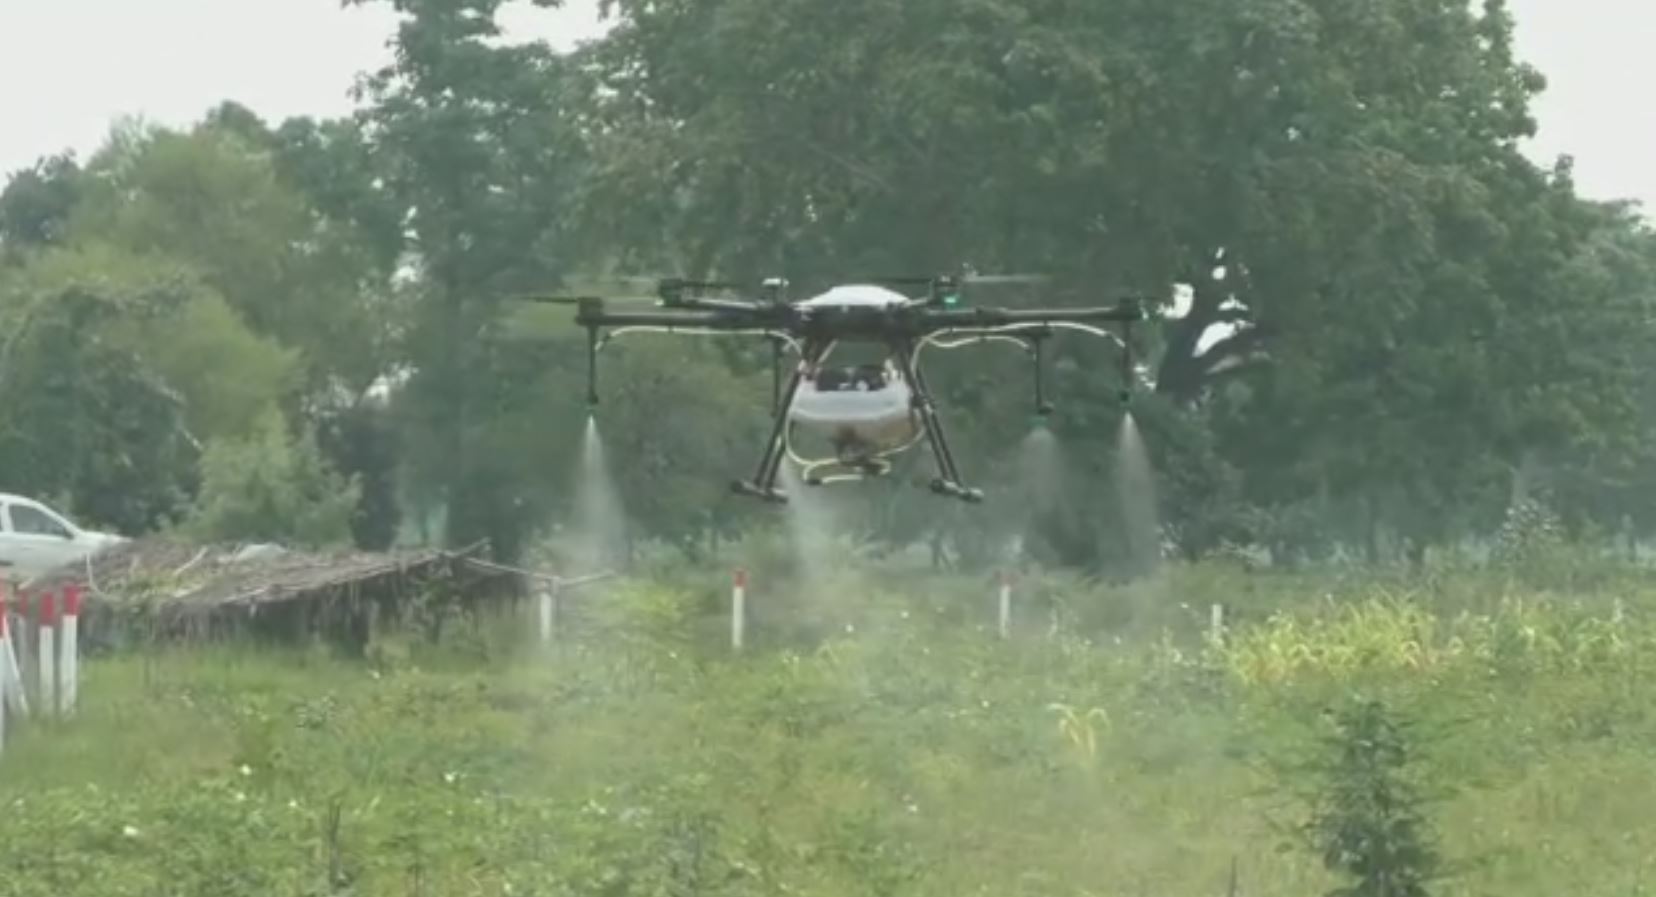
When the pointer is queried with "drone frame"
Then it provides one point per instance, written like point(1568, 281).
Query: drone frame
point(814, 331)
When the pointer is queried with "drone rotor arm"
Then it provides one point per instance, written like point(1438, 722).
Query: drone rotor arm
point(738, 306)
point(745, 318)
point(987, 318)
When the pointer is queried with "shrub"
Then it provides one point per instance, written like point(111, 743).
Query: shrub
point(1368, 822)
point(272, 487)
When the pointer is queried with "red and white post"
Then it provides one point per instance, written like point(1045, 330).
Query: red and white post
point(1005, 591)
point(48, 654)
point(12, 691)
point(24, 644)
point(69, 651)
point(738, 609)
point(5, 674)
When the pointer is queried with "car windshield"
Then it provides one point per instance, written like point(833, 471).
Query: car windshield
point(30, 520)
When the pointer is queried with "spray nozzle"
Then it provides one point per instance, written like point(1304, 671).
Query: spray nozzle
point(592, 368)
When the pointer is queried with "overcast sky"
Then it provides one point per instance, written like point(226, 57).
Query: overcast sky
point(69, 68)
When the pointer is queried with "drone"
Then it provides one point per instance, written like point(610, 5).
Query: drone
point(870, 410)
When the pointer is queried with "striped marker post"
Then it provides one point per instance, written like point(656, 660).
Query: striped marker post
point(69, 651)
point(12, 692)
point(738, 609)
point(48, 655)
point(24, 644)
point(5, 673)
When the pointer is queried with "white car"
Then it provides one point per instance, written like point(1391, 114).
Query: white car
point(35, 539)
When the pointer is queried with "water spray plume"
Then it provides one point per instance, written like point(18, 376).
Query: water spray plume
point(1041, 468)
point(600, 524)
point(810, 528)
point(1136, 483)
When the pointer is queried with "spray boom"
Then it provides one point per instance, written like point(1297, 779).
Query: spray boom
point(866, 418)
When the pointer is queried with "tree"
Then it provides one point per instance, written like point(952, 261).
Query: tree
point(476, 146)
point(272, 486)
point(87, 415)
point(214, 198)
point(35, 205)
point(1372, 264)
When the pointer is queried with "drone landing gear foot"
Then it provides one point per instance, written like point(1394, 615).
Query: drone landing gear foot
point(956, 490)
point(774, 495)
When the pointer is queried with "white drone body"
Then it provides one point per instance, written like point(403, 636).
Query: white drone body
point(866, 411)
point(857, 295)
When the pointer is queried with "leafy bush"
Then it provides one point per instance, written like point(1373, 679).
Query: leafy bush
point(272, 487)
point(1369, 824)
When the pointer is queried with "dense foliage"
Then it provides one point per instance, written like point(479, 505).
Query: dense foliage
point(1381, 324)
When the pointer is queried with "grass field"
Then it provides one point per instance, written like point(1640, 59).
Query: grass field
point(881, 743)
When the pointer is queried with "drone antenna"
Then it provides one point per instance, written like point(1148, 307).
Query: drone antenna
point(775, 289)
point(944, 290)
point(671, 292)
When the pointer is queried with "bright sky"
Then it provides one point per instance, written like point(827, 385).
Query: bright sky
point(70, 68)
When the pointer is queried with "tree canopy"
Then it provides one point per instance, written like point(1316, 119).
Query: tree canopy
point(1377, 318)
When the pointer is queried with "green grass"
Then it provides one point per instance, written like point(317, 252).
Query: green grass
point(913, 754)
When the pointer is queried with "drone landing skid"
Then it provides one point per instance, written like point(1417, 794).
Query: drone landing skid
point(956, 489)
point(834, 470)
point(939, 486)
point(771, 494)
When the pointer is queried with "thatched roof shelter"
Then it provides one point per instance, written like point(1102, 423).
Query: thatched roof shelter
point(174, 587)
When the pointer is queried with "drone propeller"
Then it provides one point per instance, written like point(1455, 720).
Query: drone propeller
point(964, 277)
point(1007, 279)
point(577, 300)
point(946, 288)
point(629, 289)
